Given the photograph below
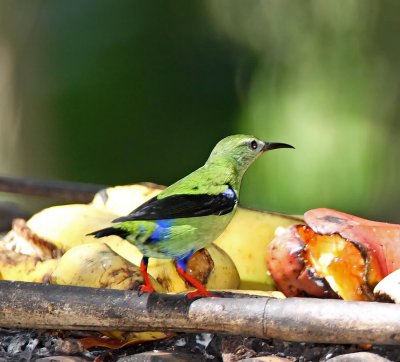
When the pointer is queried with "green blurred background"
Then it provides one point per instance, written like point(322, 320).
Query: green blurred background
point(118, 92)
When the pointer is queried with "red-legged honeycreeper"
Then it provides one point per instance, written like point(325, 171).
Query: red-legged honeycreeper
point(192, 212)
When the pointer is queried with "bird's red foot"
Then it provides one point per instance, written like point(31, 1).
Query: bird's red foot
point(146, 288)
point(200, 293)
point(201, 289)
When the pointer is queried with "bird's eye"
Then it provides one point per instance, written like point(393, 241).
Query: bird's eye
point(253, 145)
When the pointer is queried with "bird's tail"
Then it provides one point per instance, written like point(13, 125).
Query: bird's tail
point(109, 231)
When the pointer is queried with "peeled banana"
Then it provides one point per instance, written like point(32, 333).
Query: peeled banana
point(121, 200)
point(66, 226)
point(211, 266)
point(96, 265)
point(246, 239)
point(25, 268)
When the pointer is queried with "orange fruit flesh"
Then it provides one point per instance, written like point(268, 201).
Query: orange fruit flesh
point(339, 261)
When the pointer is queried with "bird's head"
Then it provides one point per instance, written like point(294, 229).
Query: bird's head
point(242, 150)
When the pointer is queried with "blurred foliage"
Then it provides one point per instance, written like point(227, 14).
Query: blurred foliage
point(107, 92)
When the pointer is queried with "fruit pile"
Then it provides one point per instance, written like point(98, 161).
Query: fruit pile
point(53, 246)
point(327, 254)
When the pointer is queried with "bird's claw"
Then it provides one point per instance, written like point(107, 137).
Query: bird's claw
point(145, 289)
point(200, 293)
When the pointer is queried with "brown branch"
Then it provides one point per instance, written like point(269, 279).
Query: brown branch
point(42, 306)
point(72, 191)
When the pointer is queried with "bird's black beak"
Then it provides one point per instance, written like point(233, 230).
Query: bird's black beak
point(274, 145)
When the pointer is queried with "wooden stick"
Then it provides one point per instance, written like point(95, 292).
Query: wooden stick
point(73, 191)
point(44, 306)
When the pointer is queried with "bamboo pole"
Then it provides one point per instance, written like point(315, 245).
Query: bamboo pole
point(44, 306)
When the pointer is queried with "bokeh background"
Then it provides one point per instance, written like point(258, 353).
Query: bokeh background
point(119, 92)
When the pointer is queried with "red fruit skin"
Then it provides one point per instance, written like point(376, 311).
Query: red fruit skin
point(381, 240)
point(287, 266)
point(378, 241)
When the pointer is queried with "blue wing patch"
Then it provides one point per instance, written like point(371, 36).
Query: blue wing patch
point(182, 262)
point(230, 194)
point(162, 231)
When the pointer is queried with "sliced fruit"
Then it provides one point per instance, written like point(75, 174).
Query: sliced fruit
point(335, 253)
point(289, 269)
point(380, 239)
point(339, 261)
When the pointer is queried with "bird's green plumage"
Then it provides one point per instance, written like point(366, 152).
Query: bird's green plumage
point(226, 165)
point(181, 238)
point(217, 180)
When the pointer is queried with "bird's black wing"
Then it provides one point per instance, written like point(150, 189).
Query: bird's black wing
point(181, 206)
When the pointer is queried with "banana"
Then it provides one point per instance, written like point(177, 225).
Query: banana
point(113, 263)
point(246, 239)
point(87, 261)
point(22, 240)
point(66, 226)
point(96, 265)
point(211, 266)
point(224, 274)
point(26, 268)
point(122, 200)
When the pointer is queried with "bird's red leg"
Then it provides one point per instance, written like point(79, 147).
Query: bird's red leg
point(201, 289)
point(146, 287)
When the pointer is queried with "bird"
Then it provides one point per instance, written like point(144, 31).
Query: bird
point(191, 213)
